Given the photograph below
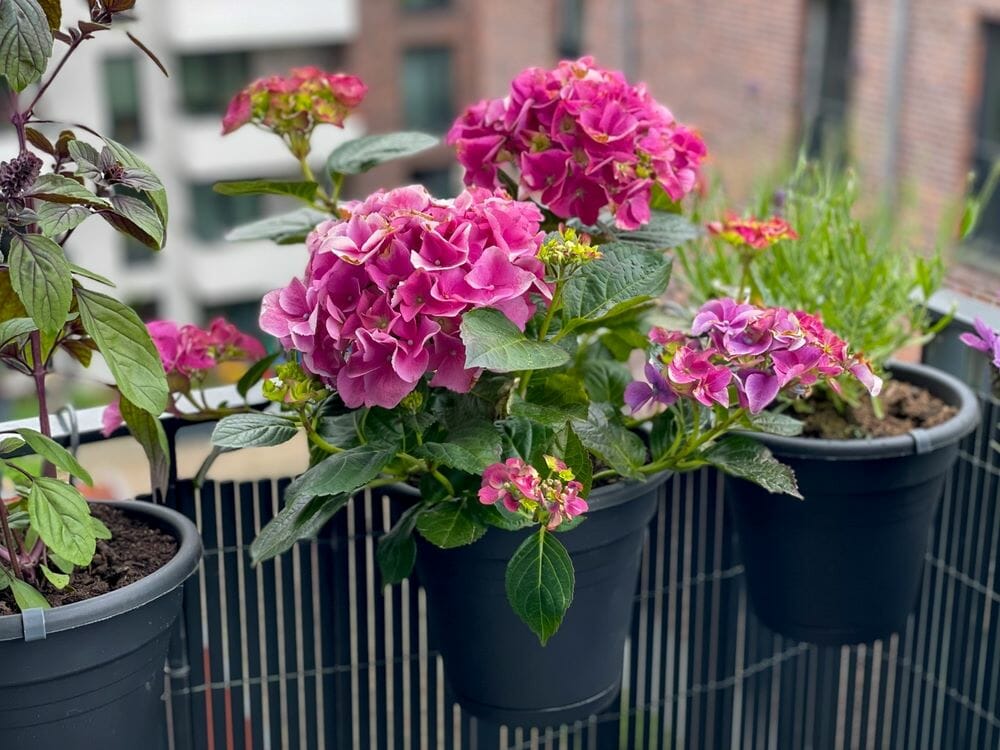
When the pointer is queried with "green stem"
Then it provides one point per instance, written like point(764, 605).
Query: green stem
point(444, 481)
point(315, 438)
point(543, 331)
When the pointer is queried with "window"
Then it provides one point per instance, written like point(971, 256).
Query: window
point(988, 141)
point(135, 253)
point(826, 79)
point(437, 181)
point(427, 89)
point(425, 4)
point(146, 310)
point(213, 214)
point(209, 81)
point(570, 42)
point(121, 88)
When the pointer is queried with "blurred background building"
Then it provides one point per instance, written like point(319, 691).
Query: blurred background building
point(908, 90)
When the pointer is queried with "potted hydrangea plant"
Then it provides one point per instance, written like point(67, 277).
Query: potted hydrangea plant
point(469, 356)
point(843, 566)
point(88, 592)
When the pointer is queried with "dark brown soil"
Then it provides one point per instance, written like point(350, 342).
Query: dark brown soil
point(134, 551)
point(905, 407)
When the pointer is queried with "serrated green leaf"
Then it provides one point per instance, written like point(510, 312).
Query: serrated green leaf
point(300, 516)
point(25, 42)
point(148, 431)
point(15, 328)
point(56, 218)
point(606, 437)
point(40, 275)
point(742, 456)
point(304, 191)
point(284, 229)
point(775, 423)
point(127, 348)
point(61, 517)
point(576, 457)
point(361, 154)
point(605, 380)
point(540, 582)
point(51, 451)
point(623, 277)
point(469, 448)
point(397, 549)
point(449, 525)
point(663, 231)
point(135, 218)
point(494, 343)
point(58, 188)
point(59, 580)
point(253, 430)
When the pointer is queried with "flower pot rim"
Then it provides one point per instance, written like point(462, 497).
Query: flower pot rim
point(918, 441)
point(134, 595)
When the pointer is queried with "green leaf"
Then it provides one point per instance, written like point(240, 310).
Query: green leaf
point(397, 551)
point(624, 277)
point(605, 380)
point(88, 274)
point(775, 423)
point(494, 343)
point(663, 231)
point(340, 430)
point(100, 530)
point(56, 218)
point(148, 431)
point(61, 517)
point(40, 275)
point(540, 583)
point(293, 522)
point(576, 457)
point(606, 437)
point(254, 373)
point(58, 188)
point(51, 451)
point(285, 229)
point(86, 157)
point(129, 159)
point(304, 191)
point(135, 218)
point(59, 580)
point(27, 596)
point(742, 456)
point(9, 442)
point(361, 154)
point(25, 42)
point(469, 448)
point(253, 430)
point(551, 415)
point(448, 525)
point(529, 440)
point(15, 328)
point(127, 348)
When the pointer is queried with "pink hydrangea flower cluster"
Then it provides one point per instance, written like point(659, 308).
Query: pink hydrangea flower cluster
point(750, 351)
point(984, 340)
point(758, 234)
point(385, 289)
point(579, 139)
point(295, 103)
point(519, 487)
point(188, 353)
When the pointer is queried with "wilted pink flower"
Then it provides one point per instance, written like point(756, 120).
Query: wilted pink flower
point(386, 287)
point(579, 140)
point(758, 234)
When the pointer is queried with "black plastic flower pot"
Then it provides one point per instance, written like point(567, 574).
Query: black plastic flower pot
point(90, 674)
point(844, 565)
point(494, 664)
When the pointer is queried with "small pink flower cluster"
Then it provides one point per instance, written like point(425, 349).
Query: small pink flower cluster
point(520, 487)
point(984, 340)
point(188, 353)
point(386, 287)
point(295, 103)
point(579, 139)
point(756, 351)
point(756, 233)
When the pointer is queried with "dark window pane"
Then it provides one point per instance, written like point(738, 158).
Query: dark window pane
point(827, 63)
point(437, 181)
point(209, 81)
point(425, 4)
point(988, 141)
point(147, 311)
point(427, 89)
point(136, 254)
point(213, 214)
point(570, 42)
point(121, 86)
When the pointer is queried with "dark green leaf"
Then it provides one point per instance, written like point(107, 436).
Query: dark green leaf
point(296, 519)
point(55, 218)
point(742, 456)
point(494, 343)
point(127, 348)
point(60, 189)
point(135, 218)
point(663, 231)
point(15, 328)
point(397, 549)
point(540, 583)
point(129, 159)
point(623, 277)
point(61, 517)
point(255, 373)
point(469, 448)
point(553, 416)
point(339, 473)
point(304, 191)
point(448, 524)
point(605, 380)
point(25, 42)
point(284, 229)
point(361, 154)
point(576, 457)
point(776, 424)
point(40, 275)
point(254, 430)
point(529, 440)
point(606, 437)
point(340, 430)
point(148, 431)
point(51, 451)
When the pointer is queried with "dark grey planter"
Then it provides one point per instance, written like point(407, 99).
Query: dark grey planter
point(844, 565)
point(96, 679)
point(494, 665)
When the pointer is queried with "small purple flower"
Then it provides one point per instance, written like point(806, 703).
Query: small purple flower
point(657, 390)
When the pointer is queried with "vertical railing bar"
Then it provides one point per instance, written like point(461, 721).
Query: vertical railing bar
point(699, 608)
point(638, 697)
point(317, 607)
point(205, 644)
point(389, 644)
point(812, 693)
point(774, 714)
point(300, 653)
point(279, 598)
point(265, 699)
point(670, 645)
point(944, 638)
point(659, 693)
point(840, 737)
point(407, 657)
point(241, 586)
point(370, 635)
point(352, 618)
point(874, 697)
point(685, 614)
point(986, 623)
point(908, 681)
point(737, 711)
point(422, 658)
point(860, 670)
point(716, 607)
point(439, 701)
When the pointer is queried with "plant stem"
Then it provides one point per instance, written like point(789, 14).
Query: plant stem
point(26, 116)
point(8, 536)
point(543, 330)
point(444, 481)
